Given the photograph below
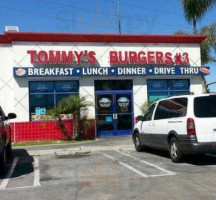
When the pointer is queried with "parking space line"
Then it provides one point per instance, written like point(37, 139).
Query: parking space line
point(158, 175)
point(22, 187)
point(127, 166)
point(9, 174)
point(36, 172)
point(150, 164)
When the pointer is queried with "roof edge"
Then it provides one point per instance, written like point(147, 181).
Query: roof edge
point(98, 38)
point(4, 39)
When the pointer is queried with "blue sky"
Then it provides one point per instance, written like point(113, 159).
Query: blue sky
point(100, 16)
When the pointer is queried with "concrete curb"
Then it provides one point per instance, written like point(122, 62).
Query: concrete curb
point(51, 145)
point(78, 150)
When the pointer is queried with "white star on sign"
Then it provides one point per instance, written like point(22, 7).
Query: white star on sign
point(112, 70)
point(78, 70)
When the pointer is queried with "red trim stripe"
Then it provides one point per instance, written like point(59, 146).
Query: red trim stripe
point(4, 39)
point(97, 38)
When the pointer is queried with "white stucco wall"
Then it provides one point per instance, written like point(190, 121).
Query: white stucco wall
point(14, 92)
point(7, 100)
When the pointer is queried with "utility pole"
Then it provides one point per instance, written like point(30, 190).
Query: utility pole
point(119, 18)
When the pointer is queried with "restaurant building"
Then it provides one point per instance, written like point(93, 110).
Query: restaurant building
point(118, 73)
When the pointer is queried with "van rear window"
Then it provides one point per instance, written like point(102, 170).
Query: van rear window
point(205, 106)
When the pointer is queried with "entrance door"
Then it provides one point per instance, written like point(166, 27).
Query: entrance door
point(114, 113)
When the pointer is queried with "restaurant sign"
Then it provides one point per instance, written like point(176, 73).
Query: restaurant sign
point(107, 71)
point(52, 57)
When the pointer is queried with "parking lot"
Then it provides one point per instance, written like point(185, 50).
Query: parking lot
point(103, 175)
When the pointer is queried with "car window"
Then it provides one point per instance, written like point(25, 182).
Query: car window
point(178, 107)
point(149, 113)
point(162, 111)
point(171, 108)
point(205, 106)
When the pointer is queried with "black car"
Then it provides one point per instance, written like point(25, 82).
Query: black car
point(5, 139)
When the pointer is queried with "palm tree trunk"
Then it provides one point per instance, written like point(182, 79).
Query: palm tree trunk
point(63, 129)
point(77, 128)
point(194, 25)
point(204, 86)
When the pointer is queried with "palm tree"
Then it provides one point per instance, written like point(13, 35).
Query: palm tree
point(194, 10)
point(78, 107)
point(208, 44)
point(208, 47)
point(207, 55)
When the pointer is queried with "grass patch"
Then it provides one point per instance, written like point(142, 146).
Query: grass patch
point(34, 143)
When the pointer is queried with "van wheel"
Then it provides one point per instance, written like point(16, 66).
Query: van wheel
point(138, 145)
point(9, 150)
point(174, 151)
point(3, 162)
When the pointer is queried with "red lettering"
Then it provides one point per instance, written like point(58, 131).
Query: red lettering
point(67, 58)
point(185, 59)
point(42, 57)
point(54, 57)
point(113, 57)
point(151, 57)
point(132, 57)
point(141, 57)
point(168, 58)
point(32, 55)
point(159, 57)
point(78, 56)
point(92, 59)
point(123, 60)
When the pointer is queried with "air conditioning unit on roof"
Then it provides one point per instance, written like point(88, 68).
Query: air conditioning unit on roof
point(11, 29)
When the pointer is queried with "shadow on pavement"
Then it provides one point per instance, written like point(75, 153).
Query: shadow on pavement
point(157, 152)
point(24, 165)
point(199, 160)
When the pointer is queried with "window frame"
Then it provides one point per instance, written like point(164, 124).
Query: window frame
point(54, 93)
point(168, 91)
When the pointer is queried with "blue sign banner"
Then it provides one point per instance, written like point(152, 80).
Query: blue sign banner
point(107, 71)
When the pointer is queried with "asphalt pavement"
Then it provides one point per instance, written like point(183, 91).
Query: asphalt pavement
point(107, 175)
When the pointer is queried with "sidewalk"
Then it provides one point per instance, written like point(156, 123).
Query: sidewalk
point(84, 147)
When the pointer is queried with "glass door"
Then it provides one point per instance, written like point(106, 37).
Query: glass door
point(124, 113)
point(105, 114)
point(114, 113)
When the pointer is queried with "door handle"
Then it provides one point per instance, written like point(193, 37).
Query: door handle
point(151, 123)
point(115, 116)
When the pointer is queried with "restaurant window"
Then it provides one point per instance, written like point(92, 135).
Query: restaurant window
point(44, 95)
point(162, 88)
point(101, 85)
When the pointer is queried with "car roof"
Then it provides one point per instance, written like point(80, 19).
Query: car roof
point(187, 96)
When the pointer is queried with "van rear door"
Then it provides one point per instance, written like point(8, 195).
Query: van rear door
point(205, 121)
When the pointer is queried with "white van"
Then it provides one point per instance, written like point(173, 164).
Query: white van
point(180, 124)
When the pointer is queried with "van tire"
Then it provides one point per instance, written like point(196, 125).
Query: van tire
point(3, 162)
point(174, 151)
point(137, 142)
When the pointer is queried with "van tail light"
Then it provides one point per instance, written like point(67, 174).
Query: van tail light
point(191, 127)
